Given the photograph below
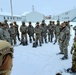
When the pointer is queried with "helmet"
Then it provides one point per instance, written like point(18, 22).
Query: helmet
point(5, 20)
point(29, 22)
point(11, 24)
point(58, 21)
point(43, 20)
point(14, 22)
point(37, 22)
point(51, 21)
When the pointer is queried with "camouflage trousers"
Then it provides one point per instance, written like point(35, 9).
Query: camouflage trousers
point(13, 39)
point(38, 38)
point(50, 37)
point(56, 38)
point(63, 48)
point(31, 36)
point(23, 38)
point(74, 65)
point(44, 37)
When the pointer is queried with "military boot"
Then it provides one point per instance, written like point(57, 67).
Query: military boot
point(30, 40)
point(45, 40)
point(36, 43)
point(64, 58)
point(42, 41)
point(51, 40)
point(33, 39)
point(40, 44)
point(48, 39)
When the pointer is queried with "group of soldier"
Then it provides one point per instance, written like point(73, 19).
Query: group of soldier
point(9, 33)
point(41, 33)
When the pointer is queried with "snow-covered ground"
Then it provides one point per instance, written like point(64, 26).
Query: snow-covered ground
point(41, 60)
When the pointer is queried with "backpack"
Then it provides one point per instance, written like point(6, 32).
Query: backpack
point(35, 44)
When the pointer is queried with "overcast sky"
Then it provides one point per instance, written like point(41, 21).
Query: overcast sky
point(47, 7)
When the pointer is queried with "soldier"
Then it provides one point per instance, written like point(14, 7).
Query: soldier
point(44, 31)
point(73, 51)
point(63, 44)
point(31, 32)
point(12, 34)
point(68, 25)
point(5, 33)
point(16, 30)
point(24, 31)
point(57, 31)
point(38, 31)
point(6, 56)
point(50, 28)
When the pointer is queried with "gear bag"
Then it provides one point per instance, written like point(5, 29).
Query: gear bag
point(5, 48)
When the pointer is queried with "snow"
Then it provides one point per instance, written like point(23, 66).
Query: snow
point(41, 60)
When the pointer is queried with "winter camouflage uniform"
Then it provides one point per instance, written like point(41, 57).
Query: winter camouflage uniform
point(24, 31)
point(12, 34)
point(63, 37)
point(57, 31)
point(6, 56)
point(68, 25)
point(50, 28)
point(44, 31)
point(31, 32)
point(5, 33)
point(16, 30)
point(37, 32)
point(73, 51)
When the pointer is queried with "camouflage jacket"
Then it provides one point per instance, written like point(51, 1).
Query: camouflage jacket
point(50, 28)
point(44, 28)
point(38, 30)
point(64, 34)
point(6, 34)
point(23, 29)
point(57, 29)
point(30, 29)
point(12, 31)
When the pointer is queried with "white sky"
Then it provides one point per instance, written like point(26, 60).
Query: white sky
point(47, 7)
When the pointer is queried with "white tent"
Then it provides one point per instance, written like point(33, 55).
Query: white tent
point(33, 17)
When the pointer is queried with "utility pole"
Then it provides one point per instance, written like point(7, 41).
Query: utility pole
point(11, 9)
point(32, 7)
